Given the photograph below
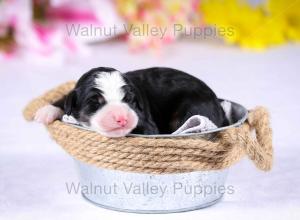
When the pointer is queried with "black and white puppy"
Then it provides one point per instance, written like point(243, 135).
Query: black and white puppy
point(148, 101)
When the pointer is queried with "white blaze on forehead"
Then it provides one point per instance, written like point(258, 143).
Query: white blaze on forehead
point(110, 83)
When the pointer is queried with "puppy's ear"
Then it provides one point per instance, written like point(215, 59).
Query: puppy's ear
point(70, 102)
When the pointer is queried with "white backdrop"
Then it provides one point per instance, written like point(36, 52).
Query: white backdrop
point(34, 170)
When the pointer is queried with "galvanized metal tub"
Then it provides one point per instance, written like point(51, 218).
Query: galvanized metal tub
point(156, 193)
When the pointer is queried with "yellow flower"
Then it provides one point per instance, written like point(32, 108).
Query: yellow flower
point(287, 12)
point(252, 26)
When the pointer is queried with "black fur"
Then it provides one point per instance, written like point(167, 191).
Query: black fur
point(163, 99)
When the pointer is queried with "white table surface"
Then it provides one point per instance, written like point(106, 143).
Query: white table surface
point(34, 170)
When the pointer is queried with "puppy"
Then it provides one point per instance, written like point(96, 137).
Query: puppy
point(147, 101)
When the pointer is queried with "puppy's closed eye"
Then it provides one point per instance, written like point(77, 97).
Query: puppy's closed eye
point(129, 98)
point(101, 100)
point(132, 100)
point(96, 99)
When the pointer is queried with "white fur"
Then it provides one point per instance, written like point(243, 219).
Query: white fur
point(110, 83)
point(48, 114)
point(227, 107)
point(119, 132)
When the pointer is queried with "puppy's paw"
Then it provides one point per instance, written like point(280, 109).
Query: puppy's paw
point(48, 114)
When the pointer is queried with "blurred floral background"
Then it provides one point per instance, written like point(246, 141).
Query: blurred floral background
point(51, 27)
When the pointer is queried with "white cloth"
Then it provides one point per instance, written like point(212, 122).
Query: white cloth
point(196, 124)
point(70, 120)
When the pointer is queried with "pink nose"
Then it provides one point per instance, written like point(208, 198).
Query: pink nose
point(121, 120)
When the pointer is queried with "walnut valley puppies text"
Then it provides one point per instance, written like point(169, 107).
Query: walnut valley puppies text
point(147, 30)
point(146, 189)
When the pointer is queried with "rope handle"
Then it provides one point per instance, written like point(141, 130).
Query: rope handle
point(258, 145)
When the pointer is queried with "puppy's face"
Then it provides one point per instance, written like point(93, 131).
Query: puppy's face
point(103, 101)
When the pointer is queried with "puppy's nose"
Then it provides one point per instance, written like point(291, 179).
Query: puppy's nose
point(121, 120)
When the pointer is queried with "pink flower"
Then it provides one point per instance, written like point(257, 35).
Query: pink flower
point(40, 28)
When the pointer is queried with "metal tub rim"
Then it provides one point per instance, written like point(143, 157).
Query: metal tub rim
point(239, 118)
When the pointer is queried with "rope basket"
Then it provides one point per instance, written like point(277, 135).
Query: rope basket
point(162, 155)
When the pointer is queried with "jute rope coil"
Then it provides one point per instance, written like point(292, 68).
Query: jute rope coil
point(162, 155)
